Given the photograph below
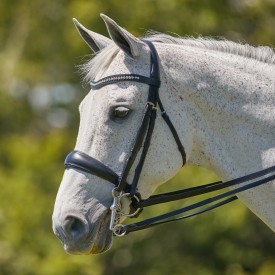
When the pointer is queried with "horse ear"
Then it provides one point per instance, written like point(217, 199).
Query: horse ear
point(94, 40)
point(131, 45)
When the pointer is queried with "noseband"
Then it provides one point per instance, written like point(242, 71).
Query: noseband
point(81, 161)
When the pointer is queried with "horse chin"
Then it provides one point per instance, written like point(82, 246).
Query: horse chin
point(103, 239)
point(99, 242)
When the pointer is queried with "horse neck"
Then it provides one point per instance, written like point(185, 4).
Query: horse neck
point(228, 101)
point(227, 104)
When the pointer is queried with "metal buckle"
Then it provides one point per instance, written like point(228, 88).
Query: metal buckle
point(118, 230)
point(116, 212)
point(130, 214)
point(154, 107)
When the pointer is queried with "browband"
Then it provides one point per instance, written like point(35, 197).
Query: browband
point(124, 77)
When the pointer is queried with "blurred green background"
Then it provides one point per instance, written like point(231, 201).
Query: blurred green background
point(40, 90)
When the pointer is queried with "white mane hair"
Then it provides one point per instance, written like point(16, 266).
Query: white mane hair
point(101, 61)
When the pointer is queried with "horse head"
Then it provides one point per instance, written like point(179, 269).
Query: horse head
point(110, 117)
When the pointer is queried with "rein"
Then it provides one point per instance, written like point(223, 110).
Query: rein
point(81, 161)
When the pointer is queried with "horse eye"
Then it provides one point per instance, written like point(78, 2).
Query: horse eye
point(120, 112)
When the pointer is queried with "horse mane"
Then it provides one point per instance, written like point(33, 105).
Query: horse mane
point(263, 54)
point(97, 65)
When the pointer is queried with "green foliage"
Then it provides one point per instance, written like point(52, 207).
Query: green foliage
point(39, 94)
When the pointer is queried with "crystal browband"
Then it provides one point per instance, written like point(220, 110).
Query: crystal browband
point(124, 77)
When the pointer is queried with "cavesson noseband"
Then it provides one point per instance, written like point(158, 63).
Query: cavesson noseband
point(86, 163)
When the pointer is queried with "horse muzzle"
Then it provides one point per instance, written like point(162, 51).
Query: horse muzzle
point(79, 236)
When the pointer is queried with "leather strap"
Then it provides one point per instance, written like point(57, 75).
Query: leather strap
point(146, 128)
point(199, 190)
point(146, 146)
point(224, 198)
point(124, 77)
point(83, 162)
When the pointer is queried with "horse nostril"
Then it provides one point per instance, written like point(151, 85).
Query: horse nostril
point(75, 227)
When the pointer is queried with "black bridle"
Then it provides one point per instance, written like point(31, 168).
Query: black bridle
point(86, 163)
